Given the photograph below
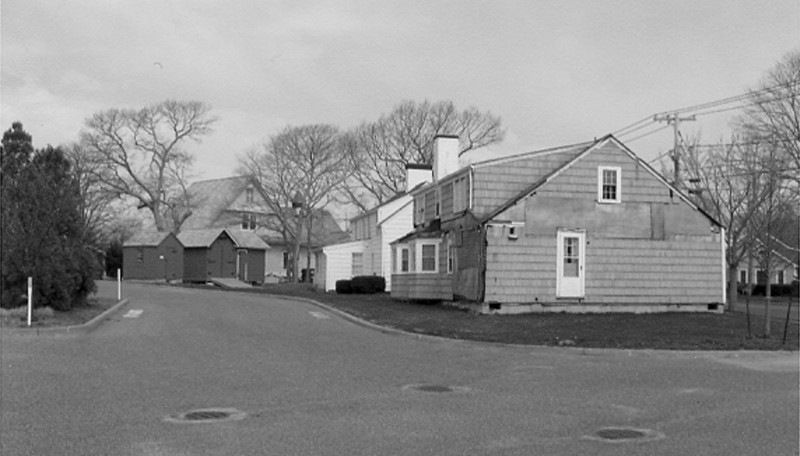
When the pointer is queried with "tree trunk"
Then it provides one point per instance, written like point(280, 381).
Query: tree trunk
point(296, 252)
point(308, 248)
point(732, 288)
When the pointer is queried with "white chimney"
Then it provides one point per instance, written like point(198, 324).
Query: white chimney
point(417, 174)
point(445, 156)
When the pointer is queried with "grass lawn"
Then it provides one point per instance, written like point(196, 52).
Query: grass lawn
point(44, 317)
point(669, 331)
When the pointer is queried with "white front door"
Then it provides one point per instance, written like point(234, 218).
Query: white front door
point(570, 270)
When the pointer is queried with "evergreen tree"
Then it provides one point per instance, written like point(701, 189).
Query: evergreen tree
point(42, 229)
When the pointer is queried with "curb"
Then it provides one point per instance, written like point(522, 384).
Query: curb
point(69, 330)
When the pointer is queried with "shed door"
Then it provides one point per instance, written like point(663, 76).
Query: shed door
point(571, 258)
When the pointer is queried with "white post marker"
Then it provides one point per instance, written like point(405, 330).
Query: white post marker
point(119, 284)
point(30, 299)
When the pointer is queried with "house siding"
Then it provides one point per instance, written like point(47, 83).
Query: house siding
point(494, 185)
point(650, 248)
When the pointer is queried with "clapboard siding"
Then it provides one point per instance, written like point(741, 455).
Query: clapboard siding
point(421, 286)
point(637, 183)
point(640, 271)
point(494, 185)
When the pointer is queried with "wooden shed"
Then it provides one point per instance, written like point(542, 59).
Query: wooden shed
point(153, 256)
point(223, 253)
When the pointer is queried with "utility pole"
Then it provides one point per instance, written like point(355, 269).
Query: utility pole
point(675, 120)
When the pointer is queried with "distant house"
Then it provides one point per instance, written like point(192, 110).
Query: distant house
point(153, 256)
point(784, 261)
point(585, 227)
point(370, 253)
point(324, 230)
point(222, 253)
point(236, 203)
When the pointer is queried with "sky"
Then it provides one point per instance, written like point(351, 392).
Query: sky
point(556, 72)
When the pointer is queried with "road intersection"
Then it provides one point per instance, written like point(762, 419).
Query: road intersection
point(302, 380)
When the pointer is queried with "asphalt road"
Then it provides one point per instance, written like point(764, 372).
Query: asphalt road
point(311, 383)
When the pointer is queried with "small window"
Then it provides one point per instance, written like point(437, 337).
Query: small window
point(742, 276)
point(249, 222)
point(419, 210)
point(428, 258)
point(404, 260)
point(285, 259)
point(609, 184)
point(357, 264)
point(781, 278)
point(451, 256)
point(460, 195)
point(249, 195)
point(140, 255)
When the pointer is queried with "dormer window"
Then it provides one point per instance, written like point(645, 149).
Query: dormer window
point(609, 184)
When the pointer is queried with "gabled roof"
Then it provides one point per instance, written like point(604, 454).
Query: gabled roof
point(392, 199)
point(324, 230)
point(204, 238)
point(147, 239)
point(432, 230)
point(582, 150)
point(210, 198)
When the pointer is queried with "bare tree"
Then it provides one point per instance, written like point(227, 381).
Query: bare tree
point(137, 153)
point(774, 115)
point(298, 170)
point(723, 185)
point(381, 149)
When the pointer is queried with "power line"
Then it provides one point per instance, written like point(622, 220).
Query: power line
point(648, 133)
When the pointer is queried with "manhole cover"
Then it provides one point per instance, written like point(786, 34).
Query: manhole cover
point(625, 434)
point(434, 388)
point(620, 434)
point(215, 415)
point(206, 415)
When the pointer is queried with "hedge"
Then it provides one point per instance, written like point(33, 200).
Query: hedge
point(361, 285)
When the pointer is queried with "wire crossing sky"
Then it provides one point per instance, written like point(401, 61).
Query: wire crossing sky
point(556, 72)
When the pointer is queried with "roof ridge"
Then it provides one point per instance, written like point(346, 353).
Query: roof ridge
point(535, 152)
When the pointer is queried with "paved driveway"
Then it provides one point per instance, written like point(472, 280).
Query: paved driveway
point(312, 383)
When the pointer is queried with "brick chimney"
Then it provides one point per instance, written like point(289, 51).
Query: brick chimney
point(445, 156)
point(417, 174)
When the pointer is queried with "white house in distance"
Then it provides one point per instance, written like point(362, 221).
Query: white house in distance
point(369, 252)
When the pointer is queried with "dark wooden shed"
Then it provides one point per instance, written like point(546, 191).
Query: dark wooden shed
point(222, 253)
point(153, 256)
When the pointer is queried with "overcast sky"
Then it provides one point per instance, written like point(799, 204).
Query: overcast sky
point(557, 72)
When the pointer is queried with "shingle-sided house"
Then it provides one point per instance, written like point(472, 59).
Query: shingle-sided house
point(153, 256)
point(370, 253)
point(585, 227)
point(222, 253)
point(236, 203)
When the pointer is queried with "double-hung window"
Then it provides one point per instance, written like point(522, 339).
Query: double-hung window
point(427, 256)
point(609, 184)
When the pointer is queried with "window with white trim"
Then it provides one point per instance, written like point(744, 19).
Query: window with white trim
point(357, 264)
point(460, 194)
point(609, 184)
point(427, 256)
point(404, 259)
point(248, 195)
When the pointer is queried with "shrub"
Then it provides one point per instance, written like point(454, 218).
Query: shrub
point(368, 284)
point(344, 287)
point(777, 290)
